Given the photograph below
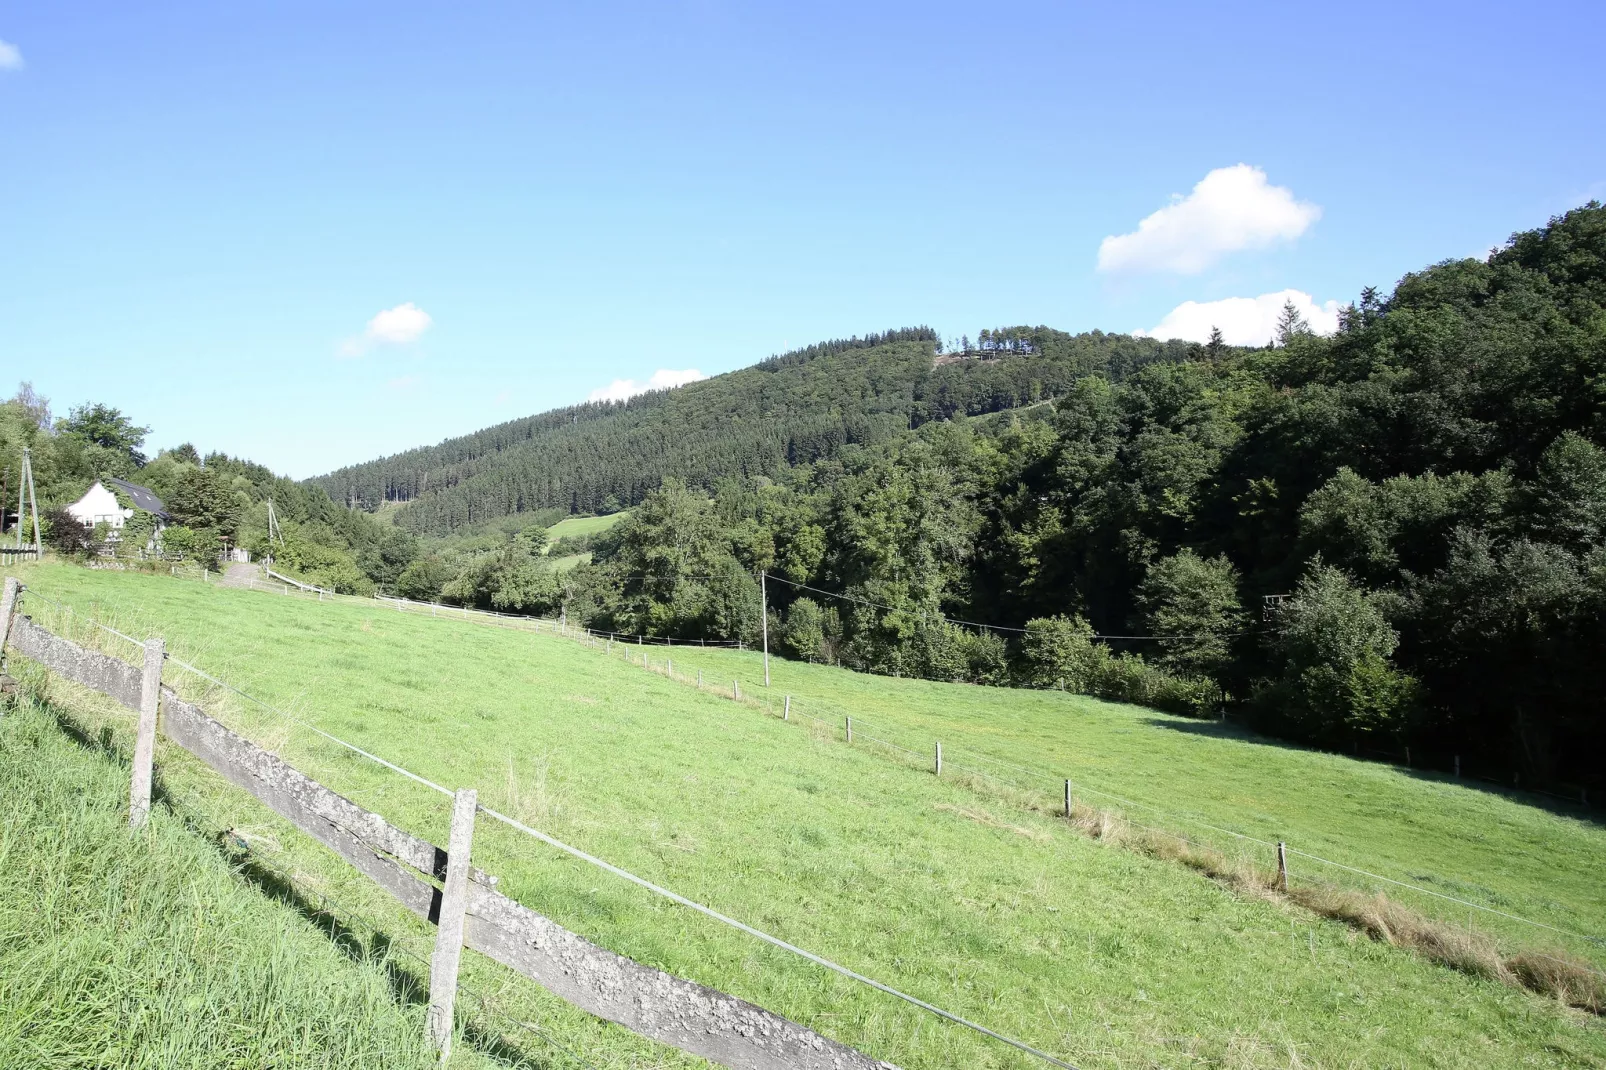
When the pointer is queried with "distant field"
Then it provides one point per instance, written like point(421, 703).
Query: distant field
point(585, 525)
point(569, 561)
point(387, 511)
point(1104, 956)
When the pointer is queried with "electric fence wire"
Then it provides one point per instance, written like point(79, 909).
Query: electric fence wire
point(1184, 818)
point(334, 909)
point(1188, 819)
point(1174, 815)
point(465, 613)
point(649, 885)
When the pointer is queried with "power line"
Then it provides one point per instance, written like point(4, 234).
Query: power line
point(987, 627)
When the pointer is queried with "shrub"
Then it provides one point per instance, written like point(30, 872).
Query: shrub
point(1336, 682)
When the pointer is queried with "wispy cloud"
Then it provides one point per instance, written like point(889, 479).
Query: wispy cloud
point(404, 382)
point(1231, 209)
point(1244, 321)
point(662, 379)
point(10, 57)
point(393, 326)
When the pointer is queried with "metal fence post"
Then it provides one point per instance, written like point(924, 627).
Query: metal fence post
point(449, 933)
point(150, 697)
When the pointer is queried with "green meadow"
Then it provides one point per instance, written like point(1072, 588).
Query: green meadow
point(1528, 855)
point(995, 911)
point(584, 525)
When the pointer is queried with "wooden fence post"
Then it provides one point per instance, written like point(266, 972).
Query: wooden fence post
point(150, 696)
point(449, 932)
point(786, 712)
point(849, 725)
point(736, 689)
point(1282, 866)
point(936, 767)
point(8, 606)
point(669, 668)
point(1068, 800)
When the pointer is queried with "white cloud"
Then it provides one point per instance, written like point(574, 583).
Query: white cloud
point(1244, 321)
point(10, 57)
point(662, 379)
point(404, 323)
point(1232, 208)
point(393, 326)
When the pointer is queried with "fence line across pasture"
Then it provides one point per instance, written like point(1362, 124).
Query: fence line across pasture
point(13, 601)
point(557, 628)
point(859, 725)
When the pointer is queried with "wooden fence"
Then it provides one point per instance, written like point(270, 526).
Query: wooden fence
point(437, 885)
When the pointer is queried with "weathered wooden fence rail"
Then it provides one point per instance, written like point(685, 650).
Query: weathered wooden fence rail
point(681, 1013)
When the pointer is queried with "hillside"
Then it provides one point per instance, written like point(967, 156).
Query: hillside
point(792, 409)
point(1006, 915)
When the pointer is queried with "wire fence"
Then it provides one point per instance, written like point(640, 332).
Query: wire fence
point(1048, 786)
point(1042, 783)
point(590, 859)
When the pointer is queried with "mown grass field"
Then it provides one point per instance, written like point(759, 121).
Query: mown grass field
point(1104, 956)
point(569, 561)
point(1523, 854)
point(584, 525)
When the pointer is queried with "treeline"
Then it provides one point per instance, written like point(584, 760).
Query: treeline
point(214, 502)
point(793, 409)
point(1394, 537)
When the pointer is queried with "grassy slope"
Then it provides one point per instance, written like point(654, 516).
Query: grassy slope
point(584, 525)
point(1465, 839)
point(1091, 951)
point(146, 951)
point(569, 561)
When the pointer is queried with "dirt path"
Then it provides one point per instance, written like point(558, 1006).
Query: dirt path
point(240, 574)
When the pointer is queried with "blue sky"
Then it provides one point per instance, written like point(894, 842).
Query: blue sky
point(314, 234)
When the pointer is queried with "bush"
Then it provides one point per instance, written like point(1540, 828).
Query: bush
point(1060, 652)
point(62, 532)
point(804, 633)
point(1336, 682)
point(187, 542)
point(423, 579)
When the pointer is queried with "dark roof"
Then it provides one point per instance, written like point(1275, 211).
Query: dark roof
point(141, 496)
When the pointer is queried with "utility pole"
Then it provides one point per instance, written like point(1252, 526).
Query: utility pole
point(273, 531)
point(5, 486)
point(764, 612)
point(33, 503)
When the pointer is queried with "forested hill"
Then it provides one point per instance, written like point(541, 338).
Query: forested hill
point(790, 409)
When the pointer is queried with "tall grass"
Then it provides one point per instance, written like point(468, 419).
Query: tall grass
point(145, 949)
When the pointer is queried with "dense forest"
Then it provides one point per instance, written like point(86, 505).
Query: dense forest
point(1390, 538)
point(789, 410)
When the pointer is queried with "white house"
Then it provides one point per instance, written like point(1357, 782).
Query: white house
point(99, 504)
